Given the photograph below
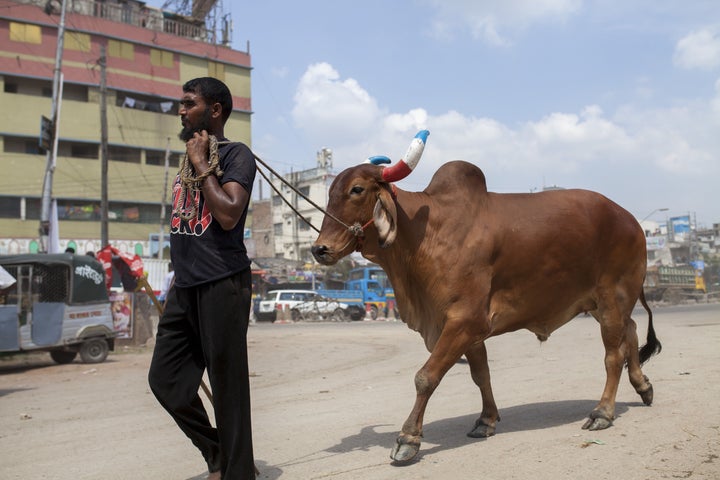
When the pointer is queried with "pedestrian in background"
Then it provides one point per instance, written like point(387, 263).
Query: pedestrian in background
point(167, 282)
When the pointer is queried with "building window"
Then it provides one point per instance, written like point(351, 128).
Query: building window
point(216, 70)
point(162, 58)
point(277, 229)
point(129, 213)
point(43, 88)
point(32, 208)
point(29, 145)
point(305, 191)
point(120, 49)
point(147, 103)
point(77, 41)
point(84, 150)
point(157, 157)
point(78, 93)
point(21, 145)
point(10, 207)
point(123, 154)
point(276, 200)
point(78, 150)
point(154, 157)
point(303, 225)
point(26, 33)
point(89, 211)
point(78, 210)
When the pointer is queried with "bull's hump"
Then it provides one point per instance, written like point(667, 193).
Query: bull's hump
point(457, 177)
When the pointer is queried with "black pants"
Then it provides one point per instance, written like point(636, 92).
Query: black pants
point(206, 327)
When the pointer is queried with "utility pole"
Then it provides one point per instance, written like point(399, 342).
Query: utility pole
point(692, 238)
point(104, 204)
point(295, 235)
point(161, 238)
point(52, 155)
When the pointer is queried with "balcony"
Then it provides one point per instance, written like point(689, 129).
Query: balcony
point(140, 15)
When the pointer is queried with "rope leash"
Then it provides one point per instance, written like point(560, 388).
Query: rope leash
point(190, 184)
point(357, 229)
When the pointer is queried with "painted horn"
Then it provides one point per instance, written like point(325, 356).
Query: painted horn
point(378, 160)
point(403, 168)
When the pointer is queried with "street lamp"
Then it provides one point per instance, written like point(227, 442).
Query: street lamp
point(654, 211)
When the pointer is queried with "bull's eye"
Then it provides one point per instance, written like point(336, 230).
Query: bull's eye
point(356, 190)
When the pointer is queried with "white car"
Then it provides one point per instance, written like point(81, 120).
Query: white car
point(301, 305)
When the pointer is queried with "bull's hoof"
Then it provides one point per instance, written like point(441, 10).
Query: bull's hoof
point(404, 453)
point(647, 395)
point(481, 430)
point(597, 422)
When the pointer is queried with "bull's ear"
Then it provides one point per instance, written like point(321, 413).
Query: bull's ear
point(385, 218)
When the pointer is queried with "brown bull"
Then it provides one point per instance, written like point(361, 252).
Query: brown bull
point(467, 264)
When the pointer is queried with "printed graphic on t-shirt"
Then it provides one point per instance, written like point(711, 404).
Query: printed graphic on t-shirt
point(194, 226)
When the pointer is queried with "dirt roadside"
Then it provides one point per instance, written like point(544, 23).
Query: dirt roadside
point(329, 399)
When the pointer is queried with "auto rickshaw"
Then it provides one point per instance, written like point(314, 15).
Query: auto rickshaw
point(57, 303)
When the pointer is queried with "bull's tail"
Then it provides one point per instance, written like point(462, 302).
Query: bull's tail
point(652, 346)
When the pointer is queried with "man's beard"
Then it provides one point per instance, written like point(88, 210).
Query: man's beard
point(187, 132)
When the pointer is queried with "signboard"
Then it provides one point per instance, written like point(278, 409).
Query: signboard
point(122, 313)
point(655, 243)
point(680, 227)
point(46, 134)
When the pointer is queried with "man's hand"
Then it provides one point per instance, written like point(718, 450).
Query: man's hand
point(197, 149)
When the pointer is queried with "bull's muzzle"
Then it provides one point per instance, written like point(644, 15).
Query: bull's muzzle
point(322, 254)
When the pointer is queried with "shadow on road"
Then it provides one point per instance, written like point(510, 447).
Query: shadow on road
point(8, 391)
point(19, 364)
point(266, 472)
point(450, 433)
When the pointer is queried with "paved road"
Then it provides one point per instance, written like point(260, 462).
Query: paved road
point(329, 399)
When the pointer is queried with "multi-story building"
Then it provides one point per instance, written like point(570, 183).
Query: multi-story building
point(149, 55)
point(292, 234)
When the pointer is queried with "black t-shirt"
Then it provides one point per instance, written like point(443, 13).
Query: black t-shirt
point(201, 251)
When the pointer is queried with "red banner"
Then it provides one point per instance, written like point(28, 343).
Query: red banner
point(132, 262)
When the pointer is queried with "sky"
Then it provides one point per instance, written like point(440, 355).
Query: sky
point(616, 96)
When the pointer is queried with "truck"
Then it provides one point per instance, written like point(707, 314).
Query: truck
point(367, 292)
point(673, 283)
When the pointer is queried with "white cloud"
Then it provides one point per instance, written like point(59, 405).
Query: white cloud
point(343, 114)
point(489, 20)
point(565, 142)
point(328, 107)
point(641, 153)
point(415, 119)
point(699, 49)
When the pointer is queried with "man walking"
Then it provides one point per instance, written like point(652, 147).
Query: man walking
point(205, 321)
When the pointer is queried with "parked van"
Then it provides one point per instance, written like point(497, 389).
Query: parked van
point(57, 303)
point(302, 304)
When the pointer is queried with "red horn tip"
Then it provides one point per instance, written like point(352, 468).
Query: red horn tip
point(396, 172)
